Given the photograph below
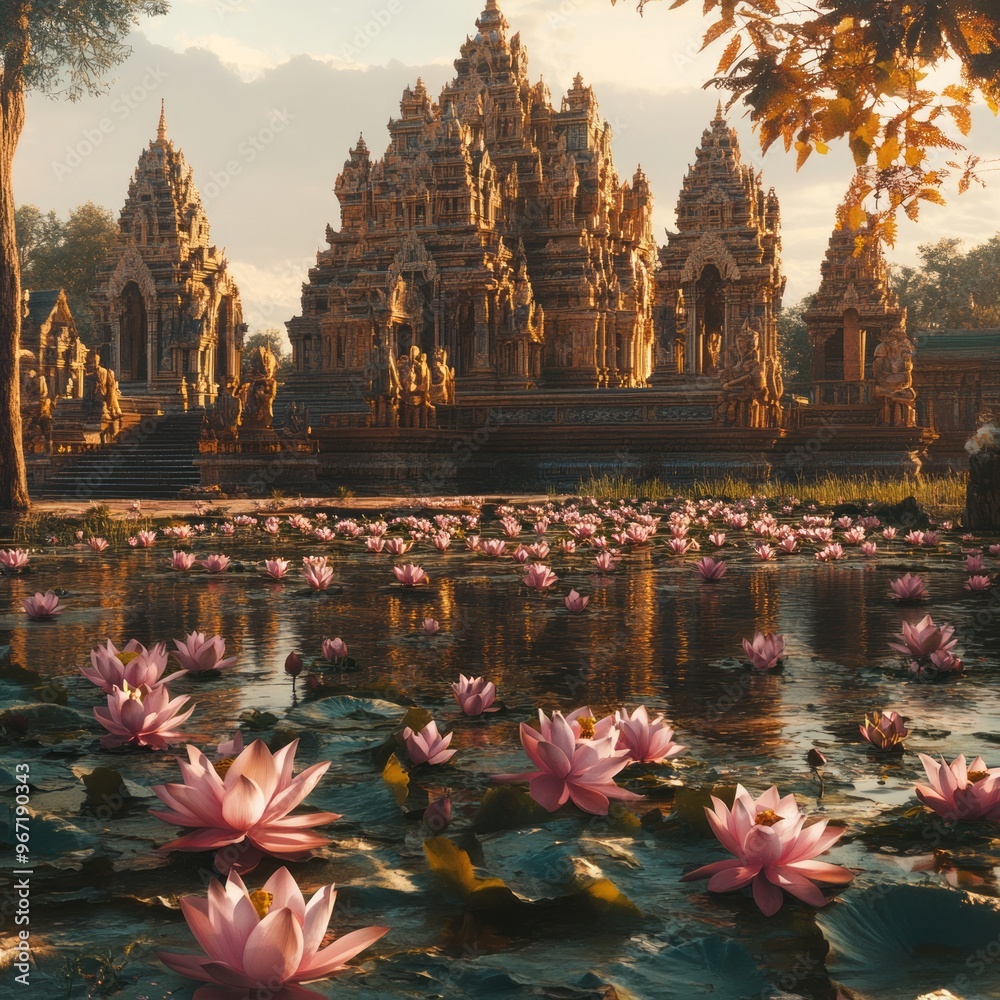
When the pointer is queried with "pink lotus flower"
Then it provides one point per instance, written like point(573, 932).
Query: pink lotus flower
point(884, 730)
point(334, 650)
point(317, 562)
point(717, 538)
point(493, 547)
point(995, 550)
point(888, 534)
point(318, 577)
point(475, 695)
point(576, 602)
point(182, 561)
point(276, 569)
point(144, 539)
point(855, 536)
point(539, 577)
point(569, 769)
point(978, 584)
point(606, 562)
point(397, 546)
point(134, 665)
point(97, 544)
point(324, 534)
point(959, 793)
point(437, 815)
point(773, 850)
point(709, 569)
point(914, 537)
point(646, 742)
point(681, 546)
point(765, 651)
point(931, 538)
point(428, 746)
point(764, 552)
point(264, 943)
point(410, 575)
point(942, 661)
point(196, 654)
point(244, 802)
point(924, 638)
point(974, 563)
point(216, 563)
point(540, 550)
point(13, 560)
point(520, 555)
point(145, 716)
point(272, 526)
point(42, 606)
point(374, 543)
point(789, 543)
point(831, 553)
point(472, 543)
point(909, 588)
point(868, 549)
point(441, 541)
point(567, 546)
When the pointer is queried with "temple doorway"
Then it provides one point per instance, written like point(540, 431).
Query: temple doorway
point(222, 345)
point(711, 315)
point(134, 335)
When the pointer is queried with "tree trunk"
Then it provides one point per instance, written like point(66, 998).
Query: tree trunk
point(13, 474)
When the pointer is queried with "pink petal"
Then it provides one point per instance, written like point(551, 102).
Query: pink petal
point(274, 949)
point(767, 896)
point(336, 955)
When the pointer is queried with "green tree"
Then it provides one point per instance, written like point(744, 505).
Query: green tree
point(793, 342)
point(859, 70)
point(273, 338)
point(63, 48)
point(56, 254)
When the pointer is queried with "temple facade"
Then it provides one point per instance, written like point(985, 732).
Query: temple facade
point(50, 343)
point(166, 309)
point(720, 273)
point(494, 240)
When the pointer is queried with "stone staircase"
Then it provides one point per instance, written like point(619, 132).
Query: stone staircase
point(139, 466)
point(323, 397)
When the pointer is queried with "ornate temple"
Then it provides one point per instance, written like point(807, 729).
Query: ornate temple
point(50, 343)
point(721, 271)
point(166, 309)
point(494, 239)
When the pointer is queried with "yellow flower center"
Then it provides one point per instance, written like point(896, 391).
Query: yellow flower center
point(222, 766)
point(587, 727)
point(127, 657)
point(975, 776)
point(135, 693)
point(261, 902)
point(768, 817)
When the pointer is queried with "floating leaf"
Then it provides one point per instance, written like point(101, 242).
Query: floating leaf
point(397, 779)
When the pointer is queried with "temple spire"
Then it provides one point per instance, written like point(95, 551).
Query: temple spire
point(719, 116)
point(161, 129)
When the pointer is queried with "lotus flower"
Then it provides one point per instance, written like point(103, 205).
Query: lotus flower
point(428, 746)
point(885, 730)
point(868, 549)
point(914, 537)
point(646, 742)
point(318, 577)
point(978, 584)
point(397, 546)
point(334, 650)
point(576, 602)
point(293, 664)
point(475, 695)
point(520, 554)
point(773, 850)
point(831, 553)
point(924, 638)
point(145, 716)
point(888, 534)
point(276, 569)
point(441, 541)
point(567, 545)
point(789, 543)
point(765, 651)
point(717, 538)
point(133, 664)
point(196, 654)
point(974, 563)
point(437, 815)
point(942, 661)
point(571, 770)
point(244, 801)
point(42, 606)
point(908, 588)
point(606, 562)
point(815, 758)
point(959, 793)
point(540, 550)
point(539, 577)
point(472, 543)
point(97, 544)
point(374, 543)
point(144, 539)
point(431, 626)
point(493, 547)
point(264, 944)
point(272, 526)
point(765, 552)
point(995, 550)
point(709, 569)
point(410, 575)
point(182, 561)
point(216, 563)
point(13, 560)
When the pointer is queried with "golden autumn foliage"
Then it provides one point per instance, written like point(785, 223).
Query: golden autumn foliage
point(861, 71)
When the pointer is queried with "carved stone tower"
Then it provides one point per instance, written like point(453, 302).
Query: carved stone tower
point(851, 313)
point(722, 268)
point(165, 306)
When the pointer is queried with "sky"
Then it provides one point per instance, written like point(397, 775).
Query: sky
point(265, 98)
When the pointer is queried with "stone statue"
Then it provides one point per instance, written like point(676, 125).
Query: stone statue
point(443, 382)
point(222, 419)
point(296, 420)
point(36, 412)
point(749, 384)
point(101, 394)
point(714, 351)
point(893, 373)
point(258, 394)
point(427, 415)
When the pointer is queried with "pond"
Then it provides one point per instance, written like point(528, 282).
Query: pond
point(586, 905)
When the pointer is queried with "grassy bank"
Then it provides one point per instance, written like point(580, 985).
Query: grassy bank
point(941, 495)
